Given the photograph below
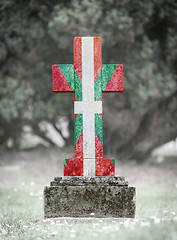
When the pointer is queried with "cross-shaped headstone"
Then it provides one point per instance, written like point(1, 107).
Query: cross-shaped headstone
point(87, 79)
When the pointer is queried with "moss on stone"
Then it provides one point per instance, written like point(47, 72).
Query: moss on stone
point(80, 201)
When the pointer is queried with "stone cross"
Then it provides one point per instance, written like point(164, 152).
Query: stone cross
point(87, 79)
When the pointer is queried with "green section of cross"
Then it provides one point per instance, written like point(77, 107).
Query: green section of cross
point(103, 79)
point(72, 79)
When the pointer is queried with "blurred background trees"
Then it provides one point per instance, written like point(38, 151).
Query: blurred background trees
point(141, 35)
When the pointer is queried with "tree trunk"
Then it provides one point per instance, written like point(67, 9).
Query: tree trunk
point(156, 127)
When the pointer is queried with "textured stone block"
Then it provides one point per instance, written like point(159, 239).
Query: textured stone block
point(89, 197)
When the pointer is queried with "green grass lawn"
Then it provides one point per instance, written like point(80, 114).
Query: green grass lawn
point(21, 201)
point(21, 216)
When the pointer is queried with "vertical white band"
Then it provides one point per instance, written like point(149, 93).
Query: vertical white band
point(88, 100)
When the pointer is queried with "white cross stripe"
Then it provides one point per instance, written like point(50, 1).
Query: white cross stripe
point(88, 107)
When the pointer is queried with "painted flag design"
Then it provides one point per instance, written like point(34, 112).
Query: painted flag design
point(88, 79)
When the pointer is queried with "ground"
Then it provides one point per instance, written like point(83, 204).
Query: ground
point(24, 174)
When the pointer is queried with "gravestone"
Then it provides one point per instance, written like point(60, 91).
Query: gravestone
point(89, 187)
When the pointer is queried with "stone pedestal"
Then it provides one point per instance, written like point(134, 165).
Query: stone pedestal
point(89, 197)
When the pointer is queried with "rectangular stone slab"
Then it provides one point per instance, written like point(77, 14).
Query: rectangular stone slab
point(97, 200)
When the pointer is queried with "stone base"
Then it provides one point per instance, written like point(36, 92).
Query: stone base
point(89, 197)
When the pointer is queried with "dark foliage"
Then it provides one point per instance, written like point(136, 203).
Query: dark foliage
point(139, 34)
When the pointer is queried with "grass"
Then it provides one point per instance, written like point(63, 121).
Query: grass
point(21, 216)
point(21, 202)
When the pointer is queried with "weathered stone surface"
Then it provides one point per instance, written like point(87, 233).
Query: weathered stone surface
point(83, 181)
point(100, 198)
point(104, 195)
